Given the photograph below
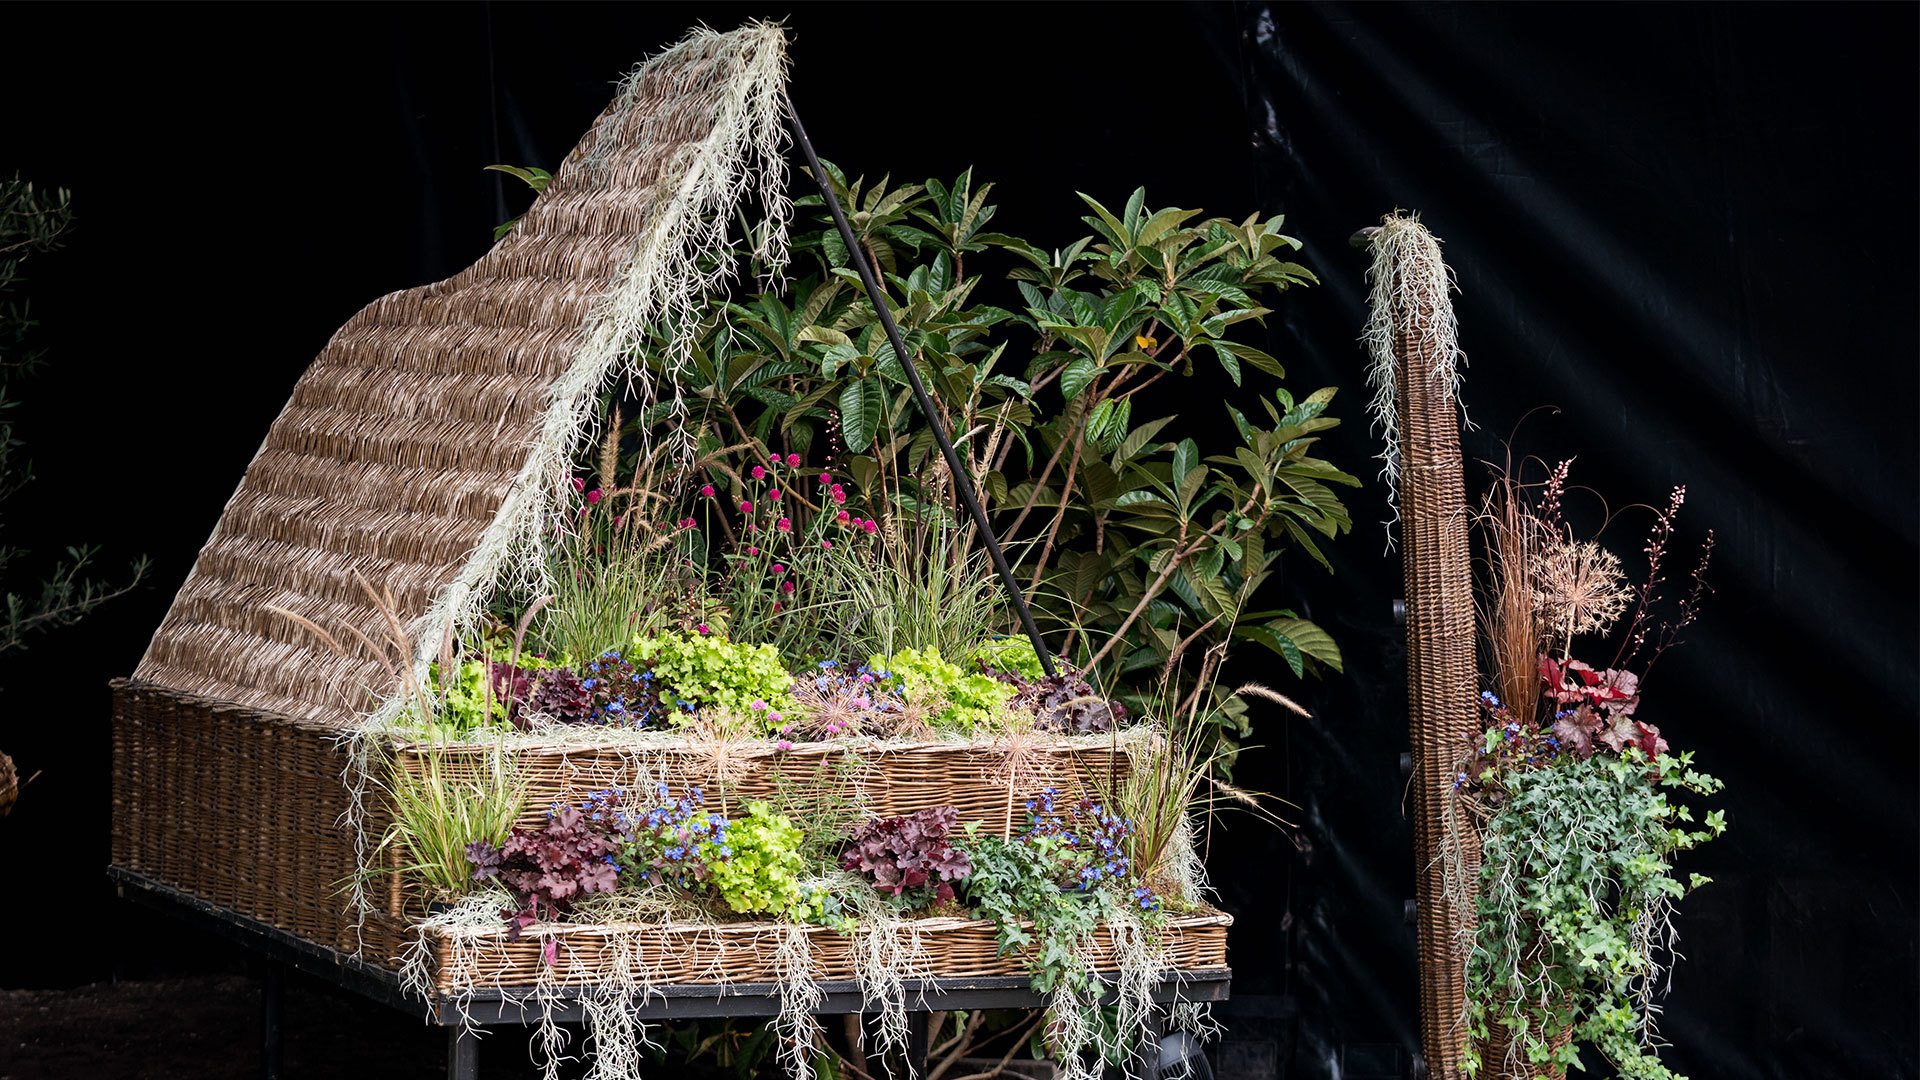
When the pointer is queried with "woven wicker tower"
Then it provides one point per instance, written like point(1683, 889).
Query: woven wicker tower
point(1412, 340)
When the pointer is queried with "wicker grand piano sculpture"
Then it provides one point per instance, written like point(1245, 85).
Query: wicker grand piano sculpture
point(421, 454)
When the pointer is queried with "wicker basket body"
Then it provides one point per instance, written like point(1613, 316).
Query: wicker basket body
point(867, 777)
point(746, 952)
point(249, 811)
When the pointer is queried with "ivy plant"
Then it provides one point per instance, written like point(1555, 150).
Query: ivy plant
point(1576, 892)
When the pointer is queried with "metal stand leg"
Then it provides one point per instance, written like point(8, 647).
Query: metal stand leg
point(273, 993)
point(917, 1048)
point(463, 1053)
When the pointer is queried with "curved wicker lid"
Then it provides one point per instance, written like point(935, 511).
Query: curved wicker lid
point(406, 440)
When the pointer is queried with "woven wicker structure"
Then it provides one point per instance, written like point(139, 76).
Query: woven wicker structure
point(424, 432)
point(746, 952)
point(1411, 333)
point(419, 455)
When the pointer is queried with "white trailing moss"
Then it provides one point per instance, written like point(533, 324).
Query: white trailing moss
point(1409, 297)
point(796, 1028)
point(675, 265)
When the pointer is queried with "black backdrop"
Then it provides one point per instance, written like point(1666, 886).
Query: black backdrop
point(1692, 228)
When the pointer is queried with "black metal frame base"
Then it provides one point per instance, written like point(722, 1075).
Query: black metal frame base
point(487, 1007)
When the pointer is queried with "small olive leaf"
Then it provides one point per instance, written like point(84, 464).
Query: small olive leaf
point(1310, 639)
point(537, 179)
point(1077, 377)
point(1280, 643)
point(825, 335)
point(1138, 438)
point(1258, 358)
point(1227, 360)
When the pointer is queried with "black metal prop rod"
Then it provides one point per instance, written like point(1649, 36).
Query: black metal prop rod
point(962, 479)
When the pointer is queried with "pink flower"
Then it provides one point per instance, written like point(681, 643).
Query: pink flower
point(751, 550)
point(787, 587)
point(826, 545)
point(871, 526)
point(707, 490)
point(776, 605)
point(758, 705)
point(746, 506)
point(783, 744)
point(703, 629)
point(839, 494)
point(779, 568)
point(774, 716)
point(785, 524)
point(843, 517)
point(773, 462)
point(793, 461)
point(774, 494)
point(826, 478)
point(688, 523)
point(593, 496)
point(759, 473)
point(579, 484)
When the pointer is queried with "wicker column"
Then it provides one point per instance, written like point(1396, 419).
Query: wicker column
point(1413, 329)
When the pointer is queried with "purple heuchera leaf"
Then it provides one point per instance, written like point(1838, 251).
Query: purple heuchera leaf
point(910, 858)
point(548, 868)
point(1575, 729)
point(1064, 701)
point(561, 697)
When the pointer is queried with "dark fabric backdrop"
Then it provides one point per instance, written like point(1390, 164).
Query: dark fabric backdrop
point(1690, 228)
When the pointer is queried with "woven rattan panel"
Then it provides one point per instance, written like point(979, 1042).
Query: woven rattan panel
point(403, 438)
point(745, 952)
point(883, 780)
point(240, 809)
point(1440, 677)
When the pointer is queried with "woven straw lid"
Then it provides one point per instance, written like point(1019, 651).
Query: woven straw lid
point(417, 430)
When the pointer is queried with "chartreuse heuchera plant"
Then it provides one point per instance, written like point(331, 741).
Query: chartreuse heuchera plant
point(709, 671)
point(1575, 794)
point(762, 876)
point(958, 700)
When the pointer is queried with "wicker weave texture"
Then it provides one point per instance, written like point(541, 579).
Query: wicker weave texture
point(1440, 669)
point(234, 806)
point(869, 779)
point(746, 952)
point(247, 810)
point(404, 437)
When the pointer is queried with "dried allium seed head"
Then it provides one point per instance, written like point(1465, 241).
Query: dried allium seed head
point(1578, 589)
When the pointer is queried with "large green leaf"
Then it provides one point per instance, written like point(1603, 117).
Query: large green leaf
point(862, 403)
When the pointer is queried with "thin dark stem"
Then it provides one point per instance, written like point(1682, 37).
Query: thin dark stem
point(962, 479)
